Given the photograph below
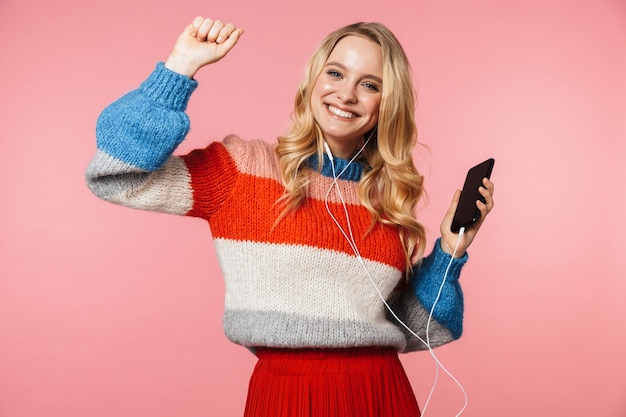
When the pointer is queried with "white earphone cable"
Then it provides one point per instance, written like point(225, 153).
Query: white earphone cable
point(353, 246)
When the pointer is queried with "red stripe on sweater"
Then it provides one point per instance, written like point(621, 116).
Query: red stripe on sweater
point(213, 174)
point(251, 212)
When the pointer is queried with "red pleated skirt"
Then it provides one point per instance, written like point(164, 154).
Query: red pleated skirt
point(363, 382)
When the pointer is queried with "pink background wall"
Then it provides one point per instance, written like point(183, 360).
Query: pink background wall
point(106, 311)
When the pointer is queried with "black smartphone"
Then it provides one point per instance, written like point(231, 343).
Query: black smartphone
point(466, 212)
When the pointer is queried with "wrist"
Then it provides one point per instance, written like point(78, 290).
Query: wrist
point(181, 65)
point(445, 247)
point(439, 260)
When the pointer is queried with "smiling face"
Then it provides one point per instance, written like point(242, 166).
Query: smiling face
point(346, 97)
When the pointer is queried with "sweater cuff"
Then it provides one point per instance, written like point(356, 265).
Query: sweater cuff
point(437, 262)
point(168, 88)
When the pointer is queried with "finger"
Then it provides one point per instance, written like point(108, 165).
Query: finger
point(487, 194)
point(488, 184)
point(204, 29)
point(195, 25)
point(217, 26)
point(455, 202)
point(226, 31)
point(232, 39)
point(483, 208)
point(447, 220)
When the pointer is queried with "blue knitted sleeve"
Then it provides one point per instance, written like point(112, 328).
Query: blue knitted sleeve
point(144, 127)
point(426, 281)
point(413, 304)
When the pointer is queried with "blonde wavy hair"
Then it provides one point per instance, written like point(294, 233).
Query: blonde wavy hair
point(391, 185)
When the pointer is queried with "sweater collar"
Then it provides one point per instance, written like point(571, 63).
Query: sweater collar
point(353, 172)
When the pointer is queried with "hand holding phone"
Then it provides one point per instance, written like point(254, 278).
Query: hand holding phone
point(467, 213)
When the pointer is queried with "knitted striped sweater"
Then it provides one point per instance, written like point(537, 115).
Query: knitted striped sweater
point(295, 283)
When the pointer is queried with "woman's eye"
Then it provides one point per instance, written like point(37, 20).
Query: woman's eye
point(333, 73)
point(371, 86)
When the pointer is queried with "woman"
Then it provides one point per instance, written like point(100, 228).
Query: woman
point(316, 235)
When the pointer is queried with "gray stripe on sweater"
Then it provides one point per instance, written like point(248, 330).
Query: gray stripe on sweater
point(166, 190)
point(275, 329)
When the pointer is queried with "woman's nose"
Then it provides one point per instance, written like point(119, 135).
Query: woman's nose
point(347, 94)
